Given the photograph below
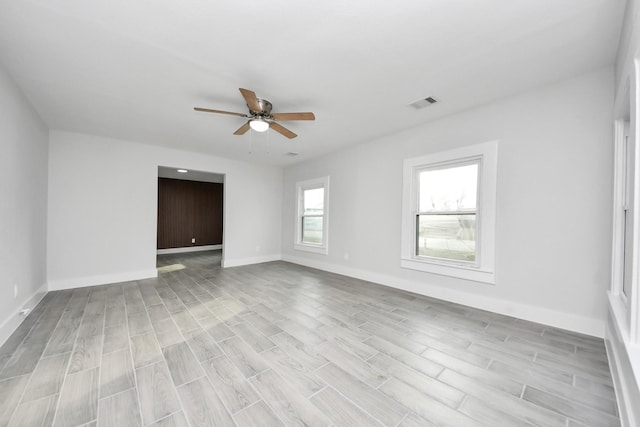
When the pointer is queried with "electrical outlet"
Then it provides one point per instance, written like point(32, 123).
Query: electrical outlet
point(193, 240)
point(15, 290)
point(346, 256)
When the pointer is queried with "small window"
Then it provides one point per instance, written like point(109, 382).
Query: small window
point(448, 223)
point(312, 215)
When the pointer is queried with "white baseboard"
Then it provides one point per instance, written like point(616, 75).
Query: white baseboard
point(247, 261)
point(15, 319)
point(188, 249)
point(83, 282)
point(558, 319)
point(624, 362)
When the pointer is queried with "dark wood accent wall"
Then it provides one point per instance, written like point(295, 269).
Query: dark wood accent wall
point(187, 210)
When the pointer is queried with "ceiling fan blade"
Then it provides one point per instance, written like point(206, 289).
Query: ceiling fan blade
point(242, 129)
point(207, 110)
point(294, 116)
point(282, 130)
point(252, 100)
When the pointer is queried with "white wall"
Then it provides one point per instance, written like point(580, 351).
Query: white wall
point(23, 205)
point(553, 209)
point(103, 208)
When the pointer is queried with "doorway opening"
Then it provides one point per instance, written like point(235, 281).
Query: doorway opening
point(190, 219)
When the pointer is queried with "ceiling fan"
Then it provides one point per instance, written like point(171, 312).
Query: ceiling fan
point(260, 116)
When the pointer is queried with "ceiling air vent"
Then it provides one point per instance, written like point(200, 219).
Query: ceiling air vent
point(425, 102)
point(291, 154)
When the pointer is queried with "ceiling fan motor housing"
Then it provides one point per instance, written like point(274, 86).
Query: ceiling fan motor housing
point(265, 106)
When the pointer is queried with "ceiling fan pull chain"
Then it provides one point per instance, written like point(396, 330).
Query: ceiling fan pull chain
point(268, 143)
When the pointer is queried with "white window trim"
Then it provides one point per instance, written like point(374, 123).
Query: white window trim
point(484, 269)
point(626, 306)
point(301, 186)
point(620, 202)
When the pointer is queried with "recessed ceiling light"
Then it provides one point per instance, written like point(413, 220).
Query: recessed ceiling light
point(183, 170)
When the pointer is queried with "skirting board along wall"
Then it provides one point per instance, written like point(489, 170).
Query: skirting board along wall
point(247, 261)
point(544, 316)
point(15, 319)
point(621, 362)
point(83, 282)
point(188, 249)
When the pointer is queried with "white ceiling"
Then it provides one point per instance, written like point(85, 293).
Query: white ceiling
point(135, 69)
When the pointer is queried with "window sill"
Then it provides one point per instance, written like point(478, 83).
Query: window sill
point(322, 250)
point(458, 271)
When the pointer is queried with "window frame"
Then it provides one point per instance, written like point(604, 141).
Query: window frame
point(625, 202)
point(483, 268)
point(301, 187)
point(626, 209)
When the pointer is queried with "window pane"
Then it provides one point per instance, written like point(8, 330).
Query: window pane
point(627, 251)
point(447, 236)
point(312, 230)
point(313, 201)
point(450, 189)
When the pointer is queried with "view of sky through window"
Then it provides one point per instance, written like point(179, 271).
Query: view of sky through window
point(313, 201)
point(450, 189)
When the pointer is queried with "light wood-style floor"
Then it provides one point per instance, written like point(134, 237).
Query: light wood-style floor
point(279, 344)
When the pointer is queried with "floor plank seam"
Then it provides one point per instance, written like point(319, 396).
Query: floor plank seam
point(19, 401)
point(131, 359)
point(64, 380)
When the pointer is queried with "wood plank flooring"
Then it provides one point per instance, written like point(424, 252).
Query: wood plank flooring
point(281, 345)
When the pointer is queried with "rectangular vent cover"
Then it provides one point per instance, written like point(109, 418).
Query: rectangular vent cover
point(425, 102)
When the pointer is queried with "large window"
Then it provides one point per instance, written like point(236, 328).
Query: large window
point(449, 213)
point(312, 215)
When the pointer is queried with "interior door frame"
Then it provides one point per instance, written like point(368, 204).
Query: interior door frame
point(224, 201)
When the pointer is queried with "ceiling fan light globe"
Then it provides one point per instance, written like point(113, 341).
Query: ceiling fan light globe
point(259, 125)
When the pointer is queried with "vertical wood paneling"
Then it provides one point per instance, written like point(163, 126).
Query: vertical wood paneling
point(188, 209)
